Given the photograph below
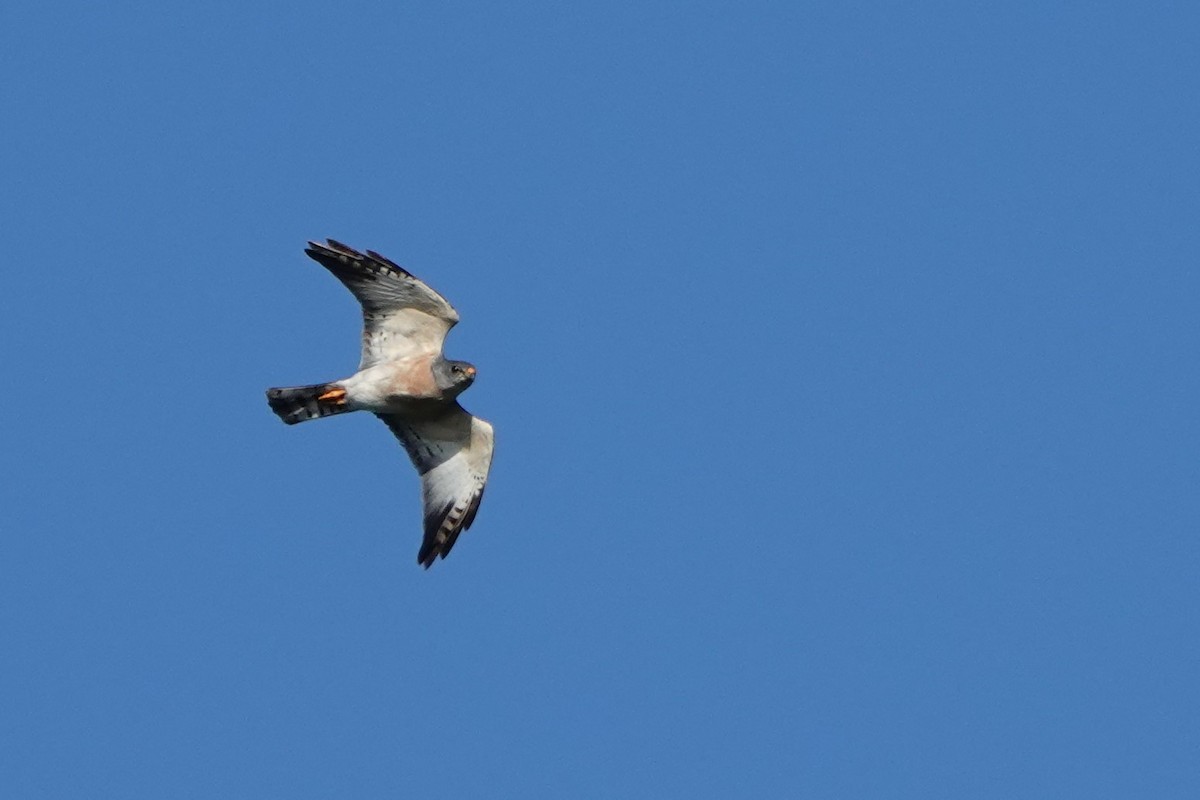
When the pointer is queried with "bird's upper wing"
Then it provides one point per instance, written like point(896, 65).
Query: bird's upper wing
point(453, 453)
point(401, 315)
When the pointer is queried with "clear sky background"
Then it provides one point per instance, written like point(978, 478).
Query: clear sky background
point(842, 358)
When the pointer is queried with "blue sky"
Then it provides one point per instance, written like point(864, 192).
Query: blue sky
point(842, 359)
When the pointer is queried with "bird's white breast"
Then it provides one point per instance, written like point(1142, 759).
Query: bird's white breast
point(387, 387)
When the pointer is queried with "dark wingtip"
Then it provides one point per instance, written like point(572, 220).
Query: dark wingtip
point(429, 553)
point(319, 253)
point(332, 250)
point(346, 249)
point(388, 262)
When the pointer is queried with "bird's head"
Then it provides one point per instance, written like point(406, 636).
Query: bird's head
point(454, 376)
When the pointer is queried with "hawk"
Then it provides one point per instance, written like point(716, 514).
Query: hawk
point(405, 380)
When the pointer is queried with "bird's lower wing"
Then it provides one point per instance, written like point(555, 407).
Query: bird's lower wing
point(453, 454)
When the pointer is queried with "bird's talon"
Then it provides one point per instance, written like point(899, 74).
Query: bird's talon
point(336, 395)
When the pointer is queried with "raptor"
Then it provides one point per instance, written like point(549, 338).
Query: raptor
point(406, 381)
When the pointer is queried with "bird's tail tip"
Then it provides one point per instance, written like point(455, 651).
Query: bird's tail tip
point(295, 404)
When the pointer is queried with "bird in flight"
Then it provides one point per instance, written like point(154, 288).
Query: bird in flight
point(405, 380)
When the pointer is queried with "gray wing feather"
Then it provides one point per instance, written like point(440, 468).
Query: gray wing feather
point(402, 316)
point(453, 454)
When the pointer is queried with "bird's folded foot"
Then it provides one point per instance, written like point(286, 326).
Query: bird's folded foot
point(335, 395)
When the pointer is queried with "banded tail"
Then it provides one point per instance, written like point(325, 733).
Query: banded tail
point(302, 403)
